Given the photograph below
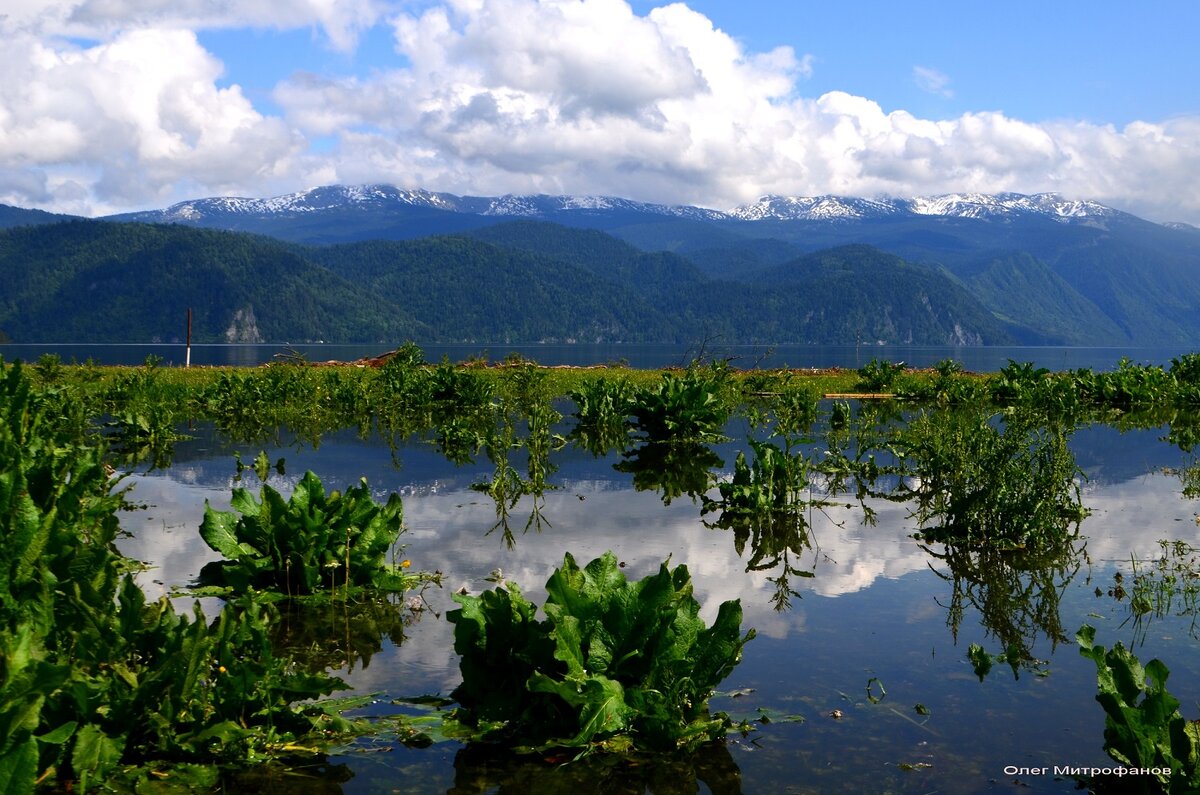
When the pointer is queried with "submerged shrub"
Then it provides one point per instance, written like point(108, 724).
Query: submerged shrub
point(613, 665)
point(1007, 483)
point(602, 410)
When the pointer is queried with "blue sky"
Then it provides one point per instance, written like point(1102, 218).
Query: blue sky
point(1105, 62)
point(113, 105)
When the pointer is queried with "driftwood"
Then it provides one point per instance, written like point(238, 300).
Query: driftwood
point(861, 395)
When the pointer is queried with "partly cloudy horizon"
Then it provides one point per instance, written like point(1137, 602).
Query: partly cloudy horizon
point(119, 105)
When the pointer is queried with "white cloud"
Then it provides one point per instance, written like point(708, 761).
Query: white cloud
point(135, 117)
point(522, 95)
point(932, 81)
point(496, 96)
point(341, 20)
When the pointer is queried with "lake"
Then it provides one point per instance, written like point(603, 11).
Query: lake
point(878, 622)
point(975, 359)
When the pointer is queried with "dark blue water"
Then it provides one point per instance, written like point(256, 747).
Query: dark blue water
point(975, 359)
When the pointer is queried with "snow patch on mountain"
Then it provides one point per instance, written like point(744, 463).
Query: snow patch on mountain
point(541, 205)
point(812, 208)
point(951, 205)
point(329, 197)
point(1003, 205)
point(826, 208)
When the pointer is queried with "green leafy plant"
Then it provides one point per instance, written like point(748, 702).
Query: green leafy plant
point(949, 385)
point(1017, 379)
point(765, 505)
point(775, 481)
point(795, 409)
point(59, 573)
point(95, 683)
point(614, 665)
point(313, 541)
point(173, 689)
point(49, 368)
point(839, 415)
point(878, 376)
point(682, 408)
point(602, 410)
point(1143, 727)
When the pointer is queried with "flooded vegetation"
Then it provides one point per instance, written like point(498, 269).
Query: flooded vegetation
point(815, 581)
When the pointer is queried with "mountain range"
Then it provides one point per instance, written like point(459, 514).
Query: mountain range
point(372, 262)
point(384, 199)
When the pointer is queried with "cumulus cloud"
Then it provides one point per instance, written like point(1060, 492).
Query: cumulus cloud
point(132, 118)
point(341, 20)
point(586, 96)
point(498, 96)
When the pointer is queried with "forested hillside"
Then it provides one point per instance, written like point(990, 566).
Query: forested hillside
point(120, 282)
point(92, 281)
point(1045, 268)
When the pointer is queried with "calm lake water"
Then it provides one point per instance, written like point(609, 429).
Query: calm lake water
point(873, 607)
point(976, 359)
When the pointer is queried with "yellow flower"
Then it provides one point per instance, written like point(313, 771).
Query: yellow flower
point(404, 564)
point(221, 669)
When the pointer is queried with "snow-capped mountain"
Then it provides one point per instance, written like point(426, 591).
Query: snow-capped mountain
point(835, 209)
point(1050, 269)
point(307, 201)
point(541, 204)
point(983, 205)
point(954, 205)
point(813, 208)
point(387, 197)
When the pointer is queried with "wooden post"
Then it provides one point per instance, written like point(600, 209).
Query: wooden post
point(187, 361)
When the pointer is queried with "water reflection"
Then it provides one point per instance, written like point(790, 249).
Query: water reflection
point(768, 507)
point(673, 469)
point(338, 635)
point(312, 778)
point(778, 542)
point(1028, 599)
point(480, 769)
point(1017, 594)
point(1158, 588)
point(507, 486)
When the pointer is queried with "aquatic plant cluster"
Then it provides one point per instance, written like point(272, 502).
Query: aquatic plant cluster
point(101, 684)
point(613, 665)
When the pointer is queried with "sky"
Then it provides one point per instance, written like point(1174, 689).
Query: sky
point(116, 105)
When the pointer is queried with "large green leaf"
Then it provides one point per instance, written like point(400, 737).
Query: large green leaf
point(96, 754)
point(598, 701)
point(18, 769)
point(1143, 726)
point(219, 531)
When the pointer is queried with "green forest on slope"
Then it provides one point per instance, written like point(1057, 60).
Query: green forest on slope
point(520, 282)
